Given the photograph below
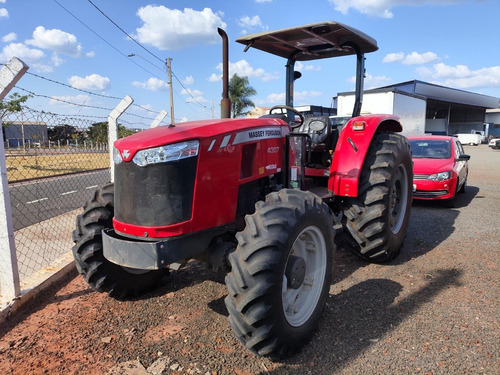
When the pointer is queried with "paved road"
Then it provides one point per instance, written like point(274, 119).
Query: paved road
point(33, 202)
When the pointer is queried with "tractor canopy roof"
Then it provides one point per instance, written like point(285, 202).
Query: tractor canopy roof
point(310, 42)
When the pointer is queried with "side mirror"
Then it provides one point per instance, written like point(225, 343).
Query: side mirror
point(296, 75)
point(463, 157)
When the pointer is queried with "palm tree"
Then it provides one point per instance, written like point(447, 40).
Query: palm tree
point(239, 93)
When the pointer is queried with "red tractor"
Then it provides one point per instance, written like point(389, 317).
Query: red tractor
point(261, 199)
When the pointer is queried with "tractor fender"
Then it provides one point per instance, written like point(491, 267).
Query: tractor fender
point(350, 152)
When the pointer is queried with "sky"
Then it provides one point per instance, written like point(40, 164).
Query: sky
point(95, 52)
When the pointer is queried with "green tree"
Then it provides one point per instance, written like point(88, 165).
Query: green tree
point(239, 93)
point(13, 105)
point(124, 132)
point(62, 133)
point(98, 132)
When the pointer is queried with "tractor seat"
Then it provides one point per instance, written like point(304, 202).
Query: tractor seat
point(318, 128)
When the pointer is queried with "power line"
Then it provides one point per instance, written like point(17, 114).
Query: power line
point(104, 40)
point(127, 34)
point(147, 50)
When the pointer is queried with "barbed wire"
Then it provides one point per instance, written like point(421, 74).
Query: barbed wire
point(42, 113)
point(62, 100)
point(79, 104)
point(90, 92)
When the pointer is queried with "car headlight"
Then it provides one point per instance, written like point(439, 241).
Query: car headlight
point(164, 154)
point(440, 176)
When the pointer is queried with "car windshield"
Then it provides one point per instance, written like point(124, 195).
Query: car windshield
point(430, 148)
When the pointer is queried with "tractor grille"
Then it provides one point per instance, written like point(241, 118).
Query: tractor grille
point(155, 195)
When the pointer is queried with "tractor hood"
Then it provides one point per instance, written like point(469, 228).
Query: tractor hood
point(311, 42)
point(196, 130)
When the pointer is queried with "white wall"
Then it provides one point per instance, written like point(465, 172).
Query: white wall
point(409, 108)
point(437, 125)
point(412, 112)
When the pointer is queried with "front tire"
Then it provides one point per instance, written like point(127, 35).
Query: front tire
point(101, 274)
point(376, 221)
point(281, 273)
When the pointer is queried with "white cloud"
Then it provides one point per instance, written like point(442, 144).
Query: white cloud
point(90, 82)
point(152, 84)
point(263, 1)
point(56, 60)
point(298, 97)
point(4, 13)
point(413, 58)
point(90, 54)
point(42, 68)
point(243, 69)
point(371, 82)
point(394, 57)
point(194, 96)
point(21, 51)
point(376, 81)
point(144, 108)
point(55, 40)
point(247, 21)
point(301, 67)
point(169, 29)
point(189, 80)
point(382, 8)
point(10, 37)
point(215, 77)
point(461, 76)
point(70, 100)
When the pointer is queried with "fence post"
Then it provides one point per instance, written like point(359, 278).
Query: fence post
point(113, 129)
point(9, 271)
point(158, 119)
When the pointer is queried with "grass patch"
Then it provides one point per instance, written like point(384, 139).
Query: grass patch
point(24, 167)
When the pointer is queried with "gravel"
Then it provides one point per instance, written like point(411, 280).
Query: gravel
point(434, 310)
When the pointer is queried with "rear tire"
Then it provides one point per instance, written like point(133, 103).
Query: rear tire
point(101, 274)
point(281, 273)
point(376, 221)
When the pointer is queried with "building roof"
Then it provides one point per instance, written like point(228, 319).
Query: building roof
point(443, 93)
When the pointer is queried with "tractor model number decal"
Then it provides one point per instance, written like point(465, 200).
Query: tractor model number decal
point(257, 134)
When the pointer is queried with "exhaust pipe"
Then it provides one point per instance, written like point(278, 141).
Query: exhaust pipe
point(225, 104)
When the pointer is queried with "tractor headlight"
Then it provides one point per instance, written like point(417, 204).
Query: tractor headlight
point(164, 154)
point(440, 176)
point(117, 158)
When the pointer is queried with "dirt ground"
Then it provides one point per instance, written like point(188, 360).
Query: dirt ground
point(434, 310)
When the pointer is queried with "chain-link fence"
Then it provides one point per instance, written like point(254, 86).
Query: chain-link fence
point(51, 164)
point(54, 164)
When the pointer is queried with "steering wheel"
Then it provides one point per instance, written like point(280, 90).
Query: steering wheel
point(288, 108)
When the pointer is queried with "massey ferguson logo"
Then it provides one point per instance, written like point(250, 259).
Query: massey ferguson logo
point(125, 154)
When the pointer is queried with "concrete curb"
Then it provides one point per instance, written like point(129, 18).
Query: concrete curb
point(50, 278)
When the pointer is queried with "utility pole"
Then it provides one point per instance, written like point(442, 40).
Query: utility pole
point(169, 66)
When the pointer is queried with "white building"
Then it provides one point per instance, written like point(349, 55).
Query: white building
point(425, 107)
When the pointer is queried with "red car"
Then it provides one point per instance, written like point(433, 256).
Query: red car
point(440, 167)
